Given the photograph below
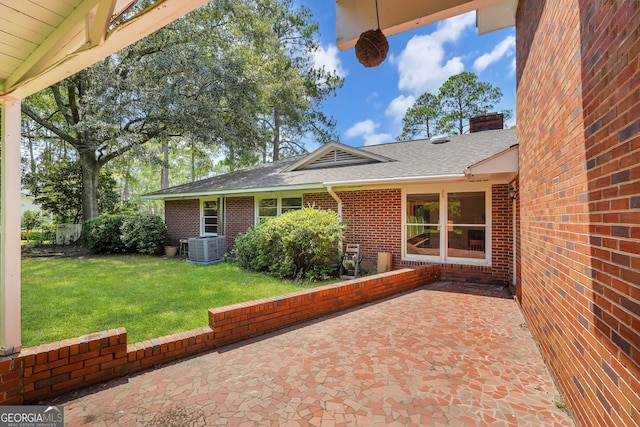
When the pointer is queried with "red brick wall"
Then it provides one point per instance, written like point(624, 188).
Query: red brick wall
point(49, 370)
point(239, 217)
point(502, 234)
point(182, 218)
point(374, 220)
point(578, 109)
point(320, 201)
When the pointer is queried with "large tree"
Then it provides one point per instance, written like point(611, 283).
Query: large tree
point(461, 97)
point(232, 74)
point(421, 118)
point(280, 50)
point(162, 86)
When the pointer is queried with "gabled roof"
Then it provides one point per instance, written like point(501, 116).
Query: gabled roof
point(334, 154)
point(409, 161)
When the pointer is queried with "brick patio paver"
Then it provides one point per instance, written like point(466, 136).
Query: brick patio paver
point(427, 357)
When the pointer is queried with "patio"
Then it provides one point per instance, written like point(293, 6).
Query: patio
point(444, 354)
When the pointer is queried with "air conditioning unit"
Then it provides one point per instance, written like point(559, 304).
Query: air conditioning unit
point(207, 250)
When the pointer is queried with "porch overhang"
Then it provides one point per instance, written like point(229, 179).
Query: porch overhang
point(46, 41)
point(501, 167)
point(356, 16)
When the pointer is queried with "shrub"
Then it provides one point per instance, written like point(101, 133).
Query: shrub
point(143, 233)
point(102, 234)
point(124, 233)
point(298, 244)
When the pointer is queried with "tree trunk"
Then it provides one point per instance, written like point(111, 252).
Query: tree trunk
point(164, 179)
point(90, 173)
point(276, 135)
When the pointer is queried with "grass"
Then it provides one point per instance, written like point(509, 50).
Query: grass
point(149, 296)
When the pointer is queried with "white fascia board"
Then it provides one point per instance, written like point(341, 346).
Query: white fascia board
point(398, 180)
point(279, 188)
point(503, 162)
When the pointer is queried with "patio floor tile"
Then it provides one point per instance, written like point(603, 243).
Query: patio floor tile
point(426, 357)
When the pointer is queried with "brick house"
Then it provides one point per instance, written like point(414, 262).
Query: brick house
point(443, 200)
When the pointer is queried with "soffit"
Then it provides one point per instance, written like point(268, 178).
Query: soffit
point(45, 41)
point(395, 16)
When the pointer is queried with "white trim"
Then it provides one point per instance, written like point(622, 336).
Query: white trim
point(232, 192)
point(397, 180)
point(10, 322)
point(443, 190)
point(220, 201)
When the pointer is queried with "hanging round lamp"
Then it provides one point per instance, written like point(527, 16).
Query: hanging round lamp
point(372, 46)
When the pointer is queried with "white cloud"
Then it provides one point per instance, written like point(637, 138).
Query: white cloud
point(367, 130)
point(327, 57)
point(422, 65)
point(505, 48)
point(399, 106)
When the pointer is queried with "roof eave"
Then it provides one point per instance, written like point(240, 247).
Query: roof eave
point(167, 196)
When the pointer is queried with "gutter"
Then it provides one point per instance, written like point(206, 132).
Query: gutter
point(167, 196)
point(453, 177)
point(339, 201)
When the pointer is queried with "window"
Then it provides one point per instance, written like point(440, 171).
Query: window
point(267, 208)
point(466, 225)
point(211, 217)
point(461, 216)
point(274, 206)
point(423, 224)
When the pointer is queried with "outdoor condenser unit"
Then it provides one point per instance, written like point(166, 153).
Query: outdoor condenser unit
point(207, 250)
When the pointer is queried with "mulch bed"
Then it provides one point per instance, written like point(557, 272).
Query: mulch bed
point(55, 251)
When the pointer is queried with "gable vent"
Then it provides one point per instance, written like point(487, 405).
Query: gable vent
point(337, 158)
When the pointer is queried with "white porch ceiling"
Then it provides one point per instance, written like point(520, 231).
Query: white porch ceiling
point(45, 41)
point(356, 16)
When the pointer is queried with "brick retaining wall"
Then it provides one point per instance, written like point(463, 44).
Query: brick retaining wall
point(50, 370)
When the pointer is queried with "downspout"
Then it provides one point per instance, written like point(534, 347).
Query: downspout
point(339, 202)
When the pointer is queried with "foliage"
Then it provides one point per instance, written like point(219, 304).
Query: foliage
point(150, 296)
point(299, 244)
point(461, 97)
point(102, 234)
point(231, 76)
point(29, 221)
point(143, 233)
point(57, 188)
point(421, 118)
point(124, 233)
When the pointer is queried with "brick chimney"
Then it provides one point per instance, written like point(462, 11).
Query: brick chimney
point(489, 121)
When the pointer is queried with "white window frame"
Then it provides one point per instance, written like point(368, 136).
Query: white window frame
point(278, 203)
point(220, 231)
point(444, 191)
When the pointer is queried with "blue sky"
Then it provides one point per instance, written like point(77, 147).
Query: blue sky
point(370, 106)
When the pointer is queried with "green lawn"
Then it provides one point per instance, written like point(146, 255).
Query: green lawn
point(150, 296)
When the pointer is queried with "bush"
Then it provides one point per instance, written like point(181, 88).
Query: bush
point(298, 244)
point(143, 233)
point(102, 234)
point(124, 233)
